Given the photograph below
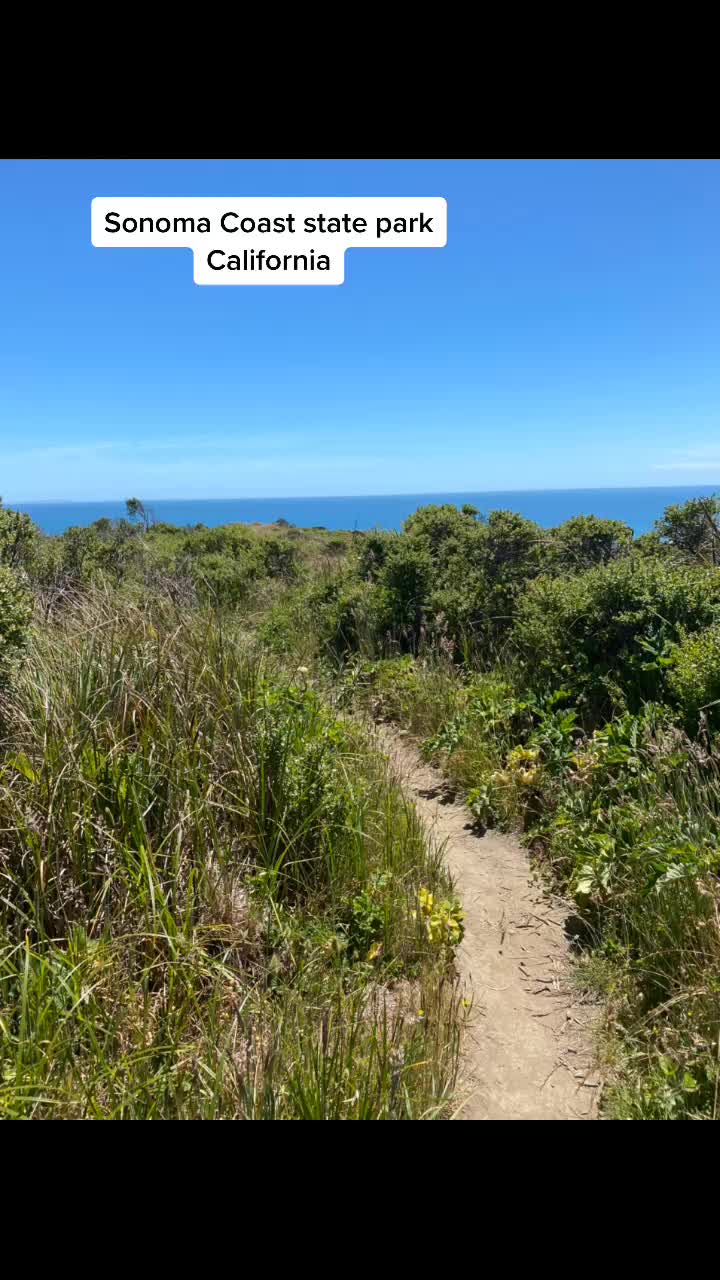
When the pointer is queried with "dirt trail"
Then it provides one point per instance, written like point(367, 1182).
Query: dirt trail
point(528, 1049)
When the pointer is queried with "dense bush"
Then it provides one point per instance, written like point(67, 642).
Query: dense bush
point(15, 613)
point(344, 614)
point(694, 678)
point(606, 634)
point(449, 566)
point(220, 566)
point(484, 576)
point(221, 580)
point(376, 547)
point(435, 527)
point(107, 550)
point(585, 541)
point(19, 539)
point(405, 584)
point(280, 558)
point(692, 529)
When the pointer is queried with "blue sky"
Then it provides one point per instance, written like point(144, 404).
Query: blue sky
point(568, 335)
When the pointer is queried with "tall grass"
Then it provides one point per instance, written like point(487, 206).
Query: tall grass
point(207, 888)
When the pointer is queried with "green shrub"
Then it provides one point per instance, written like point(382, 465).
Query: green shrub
point(480, 567)
point(692, 529)
point(585, 541)
point(433, 526)
point(19, 539)
point(15, 614)
point(230, 540)
point(694, 679)
point(349, 620)
point(221, 580)
point(510, 546)
point(450, 575)
point(606, 634)
point(376, 547)
point(281, 558)
point(406, 582)
point(103, 551)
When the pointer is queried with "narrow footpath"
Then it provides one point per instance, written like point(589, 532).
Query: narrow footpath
point(529, 1046)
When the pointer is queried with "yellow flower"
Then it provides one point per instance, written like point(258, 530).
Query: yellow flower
point(426, 899)
point(443, 921)
point(528, 777)
point(582, 760)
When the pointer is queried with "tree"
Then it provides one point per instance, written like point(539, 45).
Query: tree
point(693, 529)
point(137, 511)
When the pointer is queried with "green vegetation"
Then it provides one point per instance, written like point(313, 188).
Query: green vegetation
point(214, 899)
point(568, 682)
point(215, 902)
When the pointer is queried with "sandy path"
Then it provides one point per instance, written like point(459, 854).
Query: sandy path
point(528, 1050)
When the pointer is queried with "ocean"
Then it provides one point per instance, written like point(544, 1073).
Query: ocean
point(637, 507)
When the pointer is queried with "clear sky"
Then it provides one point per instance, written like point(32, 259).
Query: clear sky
point(567, 336)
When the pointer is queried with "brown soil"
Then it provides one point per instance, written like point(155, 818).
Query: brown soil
point(529, 1045)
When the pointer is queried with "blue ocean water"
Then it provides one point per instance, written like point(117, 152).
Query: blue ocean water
point(637, 507)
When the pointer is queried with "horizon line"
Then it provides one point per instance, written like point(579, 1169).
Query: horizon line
point(349, 497)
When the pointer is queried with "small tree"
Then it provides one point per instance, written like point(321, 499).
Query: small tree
point(138, 512)
point(693, 529)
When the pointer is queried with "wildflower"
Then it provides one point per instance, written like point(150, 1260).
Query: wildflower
point(426, 899)
point(500, 777)
point(582, 760)
point(528, 777)
point(443, 922)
